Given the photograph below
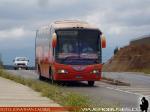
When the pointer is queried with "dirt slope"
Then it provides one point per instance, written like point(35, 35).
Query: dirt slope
point(130, 58)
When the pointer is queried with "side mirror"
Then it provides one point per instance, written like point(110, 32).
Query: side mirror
point(54, 40)
point(28, 60)
point(13, 60)
point(103, 41)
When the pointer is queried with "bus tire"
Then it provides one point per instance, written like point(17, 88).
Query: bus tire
point(52, 79)
point(51, 76)
point(39, 72)
point(91, 83)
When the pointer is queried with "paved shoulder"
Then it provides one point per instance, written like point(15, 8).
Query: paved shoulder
point(15, 94)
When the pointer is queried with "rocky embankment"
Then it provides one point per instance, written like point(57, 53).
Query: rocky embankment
point(134, 57)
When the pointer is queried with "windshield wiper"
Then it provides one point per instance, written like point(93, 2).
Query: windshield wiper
point(89, 55)
point(70, 57)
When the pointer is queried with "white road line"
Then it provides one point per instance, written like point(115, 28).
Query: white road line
point(145, 93)
point(124, 91)
point(137, 90)
point(134, 87)
point(138, 94)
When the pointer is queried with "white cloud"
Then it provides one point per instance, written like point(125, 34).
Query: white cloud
point(119, 20)
point(14, 33)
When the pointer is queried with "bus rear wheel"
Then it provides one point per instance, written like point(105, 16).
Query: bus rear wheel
point(15, 68)
point(91, 83)
point(41, 77)
point(39, 73)
point(51, 76)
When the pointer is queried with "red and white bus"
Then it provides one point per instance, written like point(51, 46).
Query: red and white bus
point(69, 51)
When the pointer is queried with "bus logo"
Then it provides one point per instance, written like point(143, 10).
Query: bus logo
point(78, 68)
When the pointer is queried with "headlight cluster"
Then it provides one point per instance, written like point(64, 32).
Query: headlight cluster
point(95, 72)
point(62, 71)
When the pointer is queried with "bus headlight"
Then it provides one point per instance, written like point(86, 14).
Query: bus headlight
point(62, 71)
point(95, 72)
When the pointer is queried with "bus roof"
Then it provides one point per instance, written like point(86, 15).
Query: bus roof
point(71, 24)
point(68, 24)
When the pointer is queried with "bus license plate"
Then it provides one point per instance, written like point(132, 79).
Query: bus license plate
point(78, 77)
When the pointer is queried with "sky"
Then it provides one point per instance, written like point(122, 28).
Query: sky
point(119, 20)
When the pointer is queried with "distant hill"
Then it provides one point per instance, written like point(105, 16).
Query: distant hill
point(134, 57)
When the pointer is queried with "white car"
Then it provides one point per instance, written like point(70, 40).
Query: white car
point(20, 62)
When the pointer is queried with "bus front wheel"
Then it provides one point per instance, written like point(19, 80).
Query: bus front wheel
point(91, 83)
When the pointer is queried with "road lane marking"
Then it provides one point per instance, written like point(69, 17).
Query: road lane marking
point(130, 88)
point(124, 91)
point(140, 93)
point(140, 90)
point(135, 89)
point(145, 93)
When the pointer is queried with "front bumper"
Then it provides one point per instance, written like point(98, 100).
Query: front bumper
point(21, 66)
point(77, 75)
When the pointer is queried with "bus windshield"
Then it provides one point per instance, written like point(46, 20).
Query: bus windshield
point(78, 46)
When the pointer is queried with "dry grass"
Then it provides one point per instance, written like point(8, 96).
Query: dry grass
point(53, 92)
point(56, 93)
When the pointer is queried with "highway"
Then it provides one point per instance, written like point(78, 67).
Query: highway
point(104, 93)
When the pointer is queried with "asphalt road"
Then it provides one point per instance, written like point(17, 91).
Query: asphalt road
point(103, 93)
point(135, 79)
